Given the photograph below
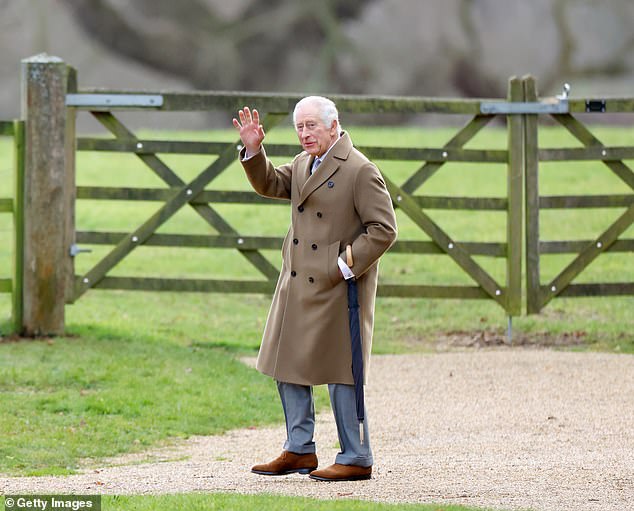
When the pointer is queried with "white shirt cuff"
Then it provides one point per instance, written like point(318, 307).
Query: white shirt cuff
point(345, 269)
point(248, 156)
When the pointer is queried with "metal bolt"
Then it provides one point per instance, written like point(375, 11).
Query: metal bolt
point(134, 239)
point(604, 153)
point(498, 292)
point(553, 289)
point(86, 280)
point(189, 192)
point(239, 147)
point(139, 145)
point(445, 154)
point(240, 241)
point(450, 246)
point(565, 91)
point(399, 198)
point(599, 244)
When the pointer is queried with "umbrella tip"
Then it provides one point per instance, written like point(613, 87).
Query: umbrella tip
point(361, 432)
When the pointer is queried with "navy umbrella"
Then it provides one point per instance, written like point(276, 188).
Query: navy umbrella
point(356, 343)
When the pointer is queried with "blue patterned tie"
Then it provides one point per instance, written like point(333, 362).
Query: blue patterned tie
point(315, 165)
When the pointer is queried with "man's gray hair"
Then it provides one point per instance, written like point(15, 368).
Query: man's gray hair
point(327, 110)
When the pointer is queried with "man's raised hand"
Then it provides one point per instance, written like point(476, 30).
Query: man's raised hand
point(250, 129)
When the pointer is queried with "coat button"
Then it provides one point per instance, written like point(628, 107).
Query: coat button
point(295, 241)
point(300, 208)
point(293, 273)
point(314, 246)
point(311, 280)
point(319, 215)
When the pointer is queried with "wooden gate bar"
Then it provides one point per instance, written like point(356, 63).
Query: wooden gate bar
point(145, 147)
point(284, 103)
point(593, 152)
point(17, 284)
point(273, 243)
point(237, 197)
point(128, 143)
point(6, 128)
point(605, 289)
point(531, 198)
point(585, 201)
point(70, 182)
point(186, 240)
point(574, 247)
point(186, 285)
point(515, 190)
point(6, 205)
point(162, 194)
point(446, 292)
point(612, 105)
point(451, 247)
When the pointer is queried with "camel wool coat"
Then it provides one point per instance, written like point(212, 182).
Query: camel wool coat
point(344, 202)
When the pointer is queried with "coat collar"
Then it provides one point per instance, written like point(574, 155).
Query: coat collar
point(337, 154)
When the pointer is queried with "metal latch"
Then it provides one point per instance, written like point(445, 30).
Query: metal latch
point(556, 105)
point(595, 105)
point(75, 249)
point(110, 100)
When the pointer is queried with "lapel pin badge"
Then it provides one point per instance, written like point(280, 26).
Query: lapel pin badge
point(331, 184)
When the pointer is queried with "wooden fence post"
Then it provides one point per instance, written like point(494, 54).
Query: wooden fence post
point(531, 176)
point(44, 83)
point(18, 226)
point(515, 184)
point(70, 188)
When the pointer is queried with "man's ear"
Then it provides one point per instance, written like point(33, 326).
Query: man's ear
point(333, 127)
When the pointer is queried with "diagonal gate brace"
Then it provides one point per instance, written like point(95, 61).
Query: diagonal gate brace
point(457, 253)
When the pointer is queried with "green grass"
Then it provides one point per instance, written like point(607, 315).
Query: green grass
point(225, 501)
point(106, 392)
point(137, 369)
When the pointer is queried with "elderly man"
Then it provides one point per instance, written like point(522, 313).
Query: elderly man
point(338, 199)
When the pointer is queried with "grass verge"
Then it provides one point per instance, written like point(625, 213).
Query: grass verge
point(224, 501)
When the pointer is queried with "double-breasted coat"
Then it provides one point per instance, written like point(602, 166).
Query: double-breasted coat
point(344, 202)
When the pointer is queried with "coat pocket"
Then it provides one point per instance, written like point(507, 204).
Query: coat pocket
point(333, 267)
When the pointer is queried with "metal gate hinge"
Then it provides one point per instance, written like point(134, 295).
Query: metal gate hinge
point(114, 100)
point(556, 105)
point(75, 249)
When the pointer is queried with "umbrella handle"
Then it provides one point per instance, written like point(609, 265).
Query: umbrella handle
point(349, 260)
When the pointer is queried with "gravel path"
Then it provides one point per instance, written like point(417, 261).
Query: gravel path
point(508, 429)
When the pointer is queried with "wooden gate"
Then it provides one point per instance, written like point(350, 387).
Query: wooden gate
point(586, 251)
point(274, 108)
point(13, 238)
point(520, 204)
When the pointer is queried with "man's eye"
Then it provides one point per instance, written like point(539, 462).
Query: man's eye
point(310, 125)
point(299, 127)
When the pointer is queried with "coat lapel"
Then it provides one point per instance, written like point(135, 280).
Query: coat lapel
point(303, 173)
point(337, 155)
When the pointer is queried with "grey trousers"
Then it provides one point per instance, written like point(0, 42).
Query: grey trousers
point(299, 412)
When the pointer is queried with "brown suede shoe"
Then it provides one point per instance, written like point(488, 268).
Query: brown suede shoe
point(287, 463)
point(339, 472)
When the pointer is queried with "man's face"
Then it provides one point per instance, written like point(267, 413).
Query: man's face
point(314, 136)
